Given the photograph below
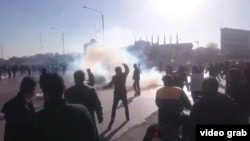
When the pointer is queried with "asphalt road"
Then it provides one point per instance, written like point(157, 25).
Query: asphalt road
point(140, 107)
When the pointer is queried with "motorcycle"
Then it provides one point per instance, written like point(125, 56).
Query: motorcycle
point(163, 133)
point(169, 132)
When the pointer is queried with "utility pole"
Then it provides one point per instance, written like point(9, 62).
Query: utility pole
point(62, 41)
point(102, 16)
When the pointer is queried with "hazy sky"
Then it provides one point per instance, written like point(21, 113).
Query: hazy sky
point(22, 22)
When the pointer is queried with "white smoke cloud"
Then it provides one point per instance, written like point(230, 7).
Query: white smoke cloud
point(103, 58)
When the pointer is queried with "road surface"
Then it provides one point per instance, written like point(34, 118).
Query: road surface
point(140, 107)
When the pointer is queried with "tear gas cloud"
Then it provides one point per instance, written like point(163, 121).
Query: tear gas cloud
point(103, 58)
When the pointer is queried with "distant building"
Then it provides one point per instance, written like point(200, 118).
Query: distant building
point(154, 53)
point(179, 53)
point(235, 43)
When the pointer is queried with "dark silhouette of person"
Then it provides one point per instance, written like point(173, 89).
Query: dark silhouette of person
point(29, 70)
point(182, 75)
point(120, 91)
point(238, 89)
point(59, 121)
point(247, 79)
point(64, 68)
point(42, 79)
point(19, 113)
point(9, 72)
point(14, 69)
point(212, 70)
point(85, 95)
point(91, 76)
point(169, 71)
point(213, 107)
point(136, 77)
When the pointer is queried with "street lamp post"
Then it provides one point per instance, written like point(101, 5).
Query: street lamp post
point(103, 35)
point(62, 41)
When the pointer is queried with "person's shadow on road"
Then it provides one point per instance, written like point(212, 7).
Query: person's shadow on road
point(102, 136)
point(129, 101)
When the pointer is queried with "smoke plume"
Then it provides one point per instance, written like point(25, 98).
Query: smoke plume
point(103, 58)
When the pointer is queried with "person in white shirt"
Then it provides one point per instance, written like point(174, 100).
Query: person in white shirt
point(195, 85)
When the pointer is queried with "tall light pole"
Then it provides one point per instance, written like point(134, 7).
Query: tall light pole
point(62, 41)
point(103, 35)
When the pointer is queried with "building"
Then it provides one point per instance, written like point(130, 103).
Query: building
point(180, 53)
point(235, 43)
point(153, 53)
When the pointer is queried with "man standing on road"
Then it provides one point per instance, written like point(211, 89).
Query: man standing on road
point(85, 95)
point(63, 68)
point(91, 76)
point(136, 77)
point(19, 113)
point(120, 91)
point(14, 69)
point(169, 71)
point(59, 121)
point(9, 72)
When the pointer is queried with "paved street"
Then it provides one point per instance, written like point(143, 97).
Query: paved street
point(140, 107)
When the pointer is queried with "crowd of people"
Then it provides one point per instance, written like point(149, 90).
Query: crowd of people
point(11, 71)
point(210, 107)
point(69, 113)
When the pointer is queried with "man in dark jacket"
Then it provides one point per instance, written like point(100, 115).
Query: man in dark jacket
point(19, 113)
point(85, 95)
point(213, 107)
point(169, 71)
point(59, 121)
point(239, 91)
point(120, 91)
point(91, 76)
